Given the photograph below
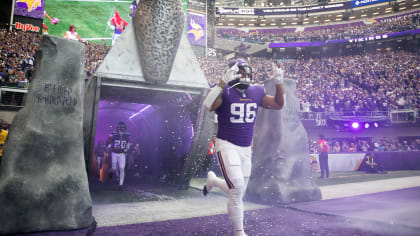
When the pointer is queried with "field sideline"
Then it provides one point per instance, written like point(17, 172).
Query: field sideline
point(89, 16)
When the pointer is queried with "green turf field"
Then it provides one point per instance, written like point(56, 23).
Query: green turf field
point(89, 17)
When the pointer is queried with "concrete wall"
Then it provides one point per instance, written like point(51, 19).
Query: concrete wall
point(7, 116)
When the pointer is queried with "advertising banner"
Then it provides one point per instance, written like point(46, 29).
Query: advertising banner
point(30, 8)
point(282, 10)
point(196, 28)
point(353, 40)
point(360, 3)
point(27, 24)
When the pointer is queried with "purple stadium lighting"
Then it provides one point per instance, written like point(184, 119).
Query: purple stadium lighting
point(376, 124)
point(367, 125)
point(142, 110)
point(355, 125)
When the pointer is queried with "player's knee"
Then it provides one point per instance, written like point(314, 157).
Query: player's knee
point(236, 193)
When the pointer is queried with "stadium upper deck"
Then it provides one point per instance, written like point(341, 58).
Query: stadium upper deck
point(293, 15)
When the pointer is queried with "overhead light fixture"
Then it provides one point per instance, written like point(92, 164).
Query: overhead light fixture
point(355, 125)
point(402, 8)
point(326, 20)
point(273, 24)
point(283, 23)
point(251, 24)
point(338, 19)
point(316, 21)
point(262, 24)
point(294, 23)
point(240, 24)
point(364, 15)
point(352, 17)
point(375, 13)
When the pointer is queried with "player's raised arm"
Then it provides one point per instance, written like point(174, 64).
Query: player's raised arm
point(213, 99)
point(277, 101)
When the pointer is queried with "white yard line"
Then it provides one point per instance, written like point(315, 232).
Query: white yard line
point(151, 211)
point(354, 189)
point(88, 39)
point(142, 212)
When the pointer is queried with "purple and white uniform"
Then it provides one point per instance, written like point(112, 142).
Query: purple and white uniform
point(236, 118)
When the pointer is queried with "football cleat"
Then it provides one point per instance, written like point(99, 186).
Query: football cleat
point(240, 233)
point(205, 191)
point(211, 177)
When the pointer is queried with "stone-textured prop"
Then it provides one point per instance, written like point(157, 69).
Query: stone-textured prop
point(88, 115)
point(158, 25)
point(281, 171)
point(43, 180)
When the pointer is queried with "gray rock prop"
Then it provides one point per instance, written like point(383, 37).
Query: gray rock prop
point(43, 180)
point(158, 26)
point(281, 172)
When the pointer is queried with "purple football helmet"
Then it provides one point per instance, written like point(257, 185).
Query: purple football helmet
point(244, 68)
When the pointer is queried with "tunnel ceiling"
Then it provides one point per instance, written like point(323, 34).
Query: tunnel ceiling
point(146, 96)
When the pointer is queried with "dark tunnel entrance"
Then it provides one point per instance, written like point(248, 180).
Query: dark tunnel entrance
point(164, 123)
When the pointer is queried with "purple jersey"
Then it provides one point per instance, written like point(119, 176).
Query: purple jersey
point(236, 116)
point(119, 142)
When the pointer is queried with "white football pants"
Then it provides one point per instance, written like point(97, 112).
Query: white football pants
point(120, 158)
point(235, 162)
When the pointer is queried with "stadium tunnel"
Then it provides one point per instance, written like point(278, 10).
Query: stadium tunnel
point(165, 119)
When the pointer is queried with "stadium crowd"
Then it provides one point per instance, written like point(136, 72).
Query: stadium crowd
point(17, 57)
point(323, 33)
point(365, 144)
point(356, 83)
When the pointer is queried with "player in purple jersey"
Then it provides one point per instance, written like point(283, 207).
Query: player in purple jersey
point(235, 100)
point(118, 142)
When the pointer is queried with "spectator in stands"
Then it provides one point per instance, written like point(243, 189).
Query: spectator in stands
point(364, 146)
point(352, 147)
point(71, 34)
point(323, 157)
point(336, 147)
point(3, 136)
